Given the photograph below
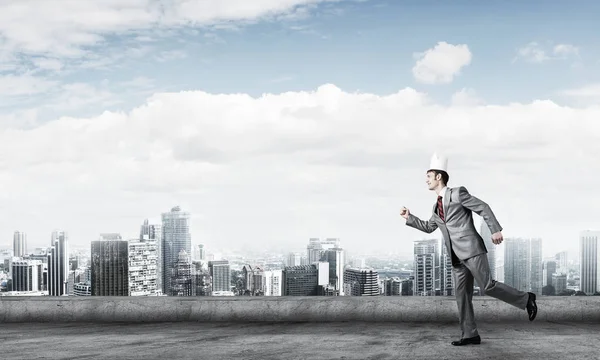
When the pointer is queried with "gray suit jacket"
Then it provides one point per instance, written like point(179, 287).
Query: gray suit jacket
point(458, 230)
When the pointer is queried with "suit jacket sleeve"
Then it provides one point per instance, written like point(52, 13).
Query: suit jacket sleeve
point(425, 226)
point(480, 208)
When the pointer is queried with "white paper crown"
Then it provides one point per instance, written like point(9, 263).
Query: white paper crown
point(438, 163)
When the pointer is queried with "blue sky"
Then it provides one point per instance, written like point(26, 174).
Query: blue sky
point(364, 46)
point(92, 115)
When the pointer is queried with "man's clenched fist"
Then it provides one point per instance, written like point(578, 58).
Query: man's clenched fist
point(404, 212)
point(497, 238)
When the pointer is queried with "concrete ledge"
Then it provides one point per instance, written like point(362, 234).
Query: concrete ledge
point(285, 309)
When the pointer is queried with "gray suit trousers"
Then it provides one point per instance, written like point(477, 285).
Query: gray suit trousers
point(478, 268)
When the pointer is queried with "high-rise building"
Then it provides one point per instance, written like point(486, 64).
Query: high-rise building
point(19, 244)
point(143, 265)
point(273, 282)
point(58, 264)
point(176, 237)
point(486, 234)
point(559, 282)
point(427, 267)
point(26, 275)
point(561, 262)
point(550, 267)
point(181, 277)
point(153, 233)
point(335, 257)
point(221, 275)
point(446, 278)
point(253, 279)
point(301, 280)
point(110, 266)
point(523, 264)
point(294, 259)
point(361, 282)
point(589, 258)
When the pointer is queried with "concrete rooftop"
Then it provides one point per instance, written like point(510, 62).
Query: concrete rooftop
point(349, 340)
point(389, 327)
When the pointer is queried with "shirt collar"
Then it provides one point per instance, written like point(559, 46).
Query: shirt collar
point(443, 192)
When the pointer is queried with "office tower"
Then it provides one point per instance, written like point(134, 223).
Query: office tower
point(181, 277)
point(58, 264)
point(26, 275)
point(294, 259)
point(361, 282)
point(273, 282)
point(19, 244)
point(313, 250)
point(562, 264)
point(221, 275)
point(153, 233)
point(559, 282)
point(143, 265)
point(523, 264)
point(82, 289)
point(550, 268)
point(253, 280)
point(335, 257)
point(589, 256)
point(446, 278)
point(110, 266)
point(427, 267)
point(486, 234)
point(176, 237)
point(301, 280)
point(201, 280)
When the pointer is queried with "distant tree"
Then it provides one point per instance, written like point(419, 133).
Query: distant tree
point(596, 293)
point(567, 292)
point(548, 290)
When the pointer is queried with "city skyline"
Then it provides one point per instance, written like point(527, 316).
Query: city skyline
point(277, 122)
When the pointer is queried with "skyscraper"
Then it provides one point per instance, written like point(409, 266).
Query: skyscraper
point(176, 237)
point(589, 256)
point(221, 275)
point(152, 233)
point(19, 244)
point(335, 258)
point(143, 277)
point(58, 264)
point(110, 266)
point(427, 267)
point(523, 264)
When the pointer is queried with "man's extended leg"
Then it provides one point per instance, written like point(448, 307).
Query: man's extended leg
point(463, 282)
point(480, 268)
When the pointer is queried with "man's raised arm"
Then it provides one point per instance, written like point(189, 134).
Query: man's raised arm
point(413, 221)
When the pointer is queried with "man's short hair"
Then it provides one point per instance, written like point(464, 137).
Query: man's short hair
point(445, 176)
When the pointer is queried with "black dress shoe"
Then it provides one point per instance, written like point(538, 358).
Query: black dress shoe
point(531, 307)
point(476, 340)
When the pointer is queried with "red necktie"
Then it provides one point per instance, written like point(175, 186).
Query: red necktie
point(441, 208)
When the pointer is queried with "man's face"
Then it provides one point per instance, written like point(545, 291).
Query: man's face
point(431, 180)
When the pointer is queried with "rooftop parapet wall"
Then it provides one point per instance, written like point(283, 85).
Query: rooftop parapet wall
point(285, 309)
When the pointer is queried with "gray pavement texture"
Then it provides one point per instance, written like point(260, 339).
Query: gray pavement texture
point(350, 340)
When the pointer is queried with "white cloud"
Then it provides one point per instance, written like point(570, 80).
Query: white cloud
point(466, 97)
point(565, 50)
point(583, 96)
point(42, 27)
point(19, 85)
point(441, 63)
point(537, 53)
point(286, 167)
